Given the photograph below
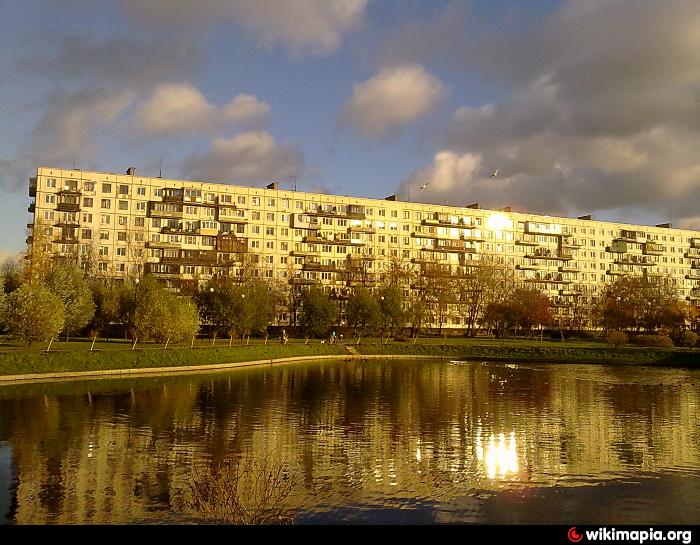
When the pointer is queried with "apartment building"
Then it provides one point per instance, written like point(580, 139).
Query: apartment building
point(186, 231)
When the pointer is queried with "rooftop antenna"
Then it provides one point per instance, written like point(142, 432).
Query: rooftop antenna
point(295, 182)
point(160, 170)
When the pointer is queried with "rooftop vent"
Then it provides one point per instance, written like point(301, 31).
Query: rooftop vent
point(272, 185)
point(666, 225)
point(586, 217)
point(131, 171)
point(474, 205)
point(391, 198)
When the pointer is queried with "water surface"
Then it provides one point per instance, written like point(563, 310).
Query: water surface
point(398, 442)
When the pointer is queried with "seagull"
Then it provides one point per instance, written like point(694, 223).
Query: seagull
point(494, 174)
point(426, 184)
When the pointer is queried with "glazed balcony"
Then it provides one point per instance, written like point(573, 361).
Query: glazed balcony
point(527, 243)
point(561, 255)
point(232, 244)
point(64, 206)
point(634, 260)
point(695, 242)
point(31, 208)
point(32, 187)
point(66, 240)
point(650, 248)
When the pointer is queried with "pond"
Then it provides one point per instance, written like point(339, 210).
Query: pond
point(366, 442)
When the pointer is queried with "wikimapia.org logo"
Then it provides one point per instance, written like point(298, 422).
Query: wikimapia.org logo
point(639, 536)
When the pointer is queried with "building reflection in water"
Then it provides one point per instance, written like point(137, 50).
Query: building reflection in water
point(401, 435)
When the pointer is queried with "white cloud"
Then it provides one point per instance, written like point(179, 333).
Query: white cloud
point(314, 27)
point(178, 109)
point(249, 157)
point(393, 98)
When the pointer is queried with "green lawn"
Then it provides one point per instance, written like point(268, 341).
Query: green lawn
point(17, 358)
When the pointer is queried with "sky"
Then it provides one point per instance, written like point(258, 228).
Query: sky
point(583, 106)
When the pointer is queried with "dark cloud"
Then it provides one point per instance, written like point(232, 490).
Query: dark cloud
point(600, 107)
point(128, 61)
point(247, 158)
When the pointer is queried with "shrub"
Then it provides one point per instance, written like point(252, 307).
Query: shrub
point(662, 341)
point(688, 338)
point(617, 338)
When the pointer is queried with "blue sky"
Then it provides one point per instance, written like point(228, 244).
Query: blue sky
point(584, 106)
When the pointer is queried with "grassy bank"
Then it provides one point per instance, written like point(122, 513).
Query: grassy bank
point(34, 361)
point(549, 352)
point(18, 360)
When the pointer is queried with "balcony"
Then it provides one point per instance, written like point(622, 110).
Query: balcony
point(192, 257)
point(68, 207)
point(528, 267)
point(561, 255)
point(692, 255)
point(650, 248)
point(361, 229)
point(695, 242)
point(70, 224)
point(692, 276)
point(527, 243)
point(232, 244)
point(69, 192)
point(634, 260)
point(162, 244)
point(157, 212)
point(549, 279)
point(32, 187)
point(66, 240)
point(31, 208)
point(569, 268)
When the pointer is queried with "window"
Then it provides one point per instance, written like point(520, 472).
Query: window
point(106, 188)
point(104, 235)
point(271, 202)
point(123, 220)
point(270, 245)
point(284, 232)
point(255, 244)
point(123, 205)
point(270, 231)
point(105, 203)
point(141, 191)
point(270, 216)
point(382, 212)
point(240, 199)
point(89, 186)
point(285, 203)
point(87, 233)
point(123, 189)
point(141, 206)
point(87, 202)
point(394, 214)
point(104, 250)
point(121, 252)
point(121, 236)
point(138, 237)
point(256, 201)
point(256, 229)
point(284, 259)
point(139, 222)
point(51, 182)
point(105, 219)
point(87, 218)
point(284, 246)
point(50, 199)
point(102, 266)
point(256, 216)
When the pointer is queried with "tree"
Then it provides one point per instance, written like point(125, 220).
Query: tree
point(161, 315)
point(180, 322)
point(635, 303)
point(481, 283)
point(529, 307)
point(235, 307)
point(392, 315)
point(107, 298)
point(362, 312)
point(11, 272)
point(66, 281)
point(318, 312)
point(33, 313)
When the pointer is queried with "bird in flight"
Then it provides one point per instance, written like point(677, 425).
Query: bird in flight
point(494, 174)
point(426, 184)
